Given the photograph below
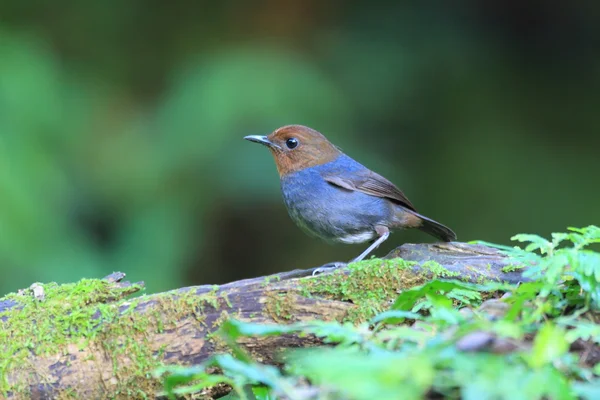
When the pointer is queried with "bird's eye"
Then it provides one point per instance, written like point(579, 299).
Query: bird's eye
point(291, 143)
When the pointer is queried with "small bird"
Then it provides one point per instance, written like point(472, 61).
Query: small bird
point(333, 197)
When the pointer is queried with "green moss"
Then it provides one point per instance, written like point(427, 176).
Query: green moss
point(271, 278)
point(65, 316)
point(512, 268)
point(280, 306)
point(222, 318)
point(439, 271)
point(86, 315)
point(371, 285)
point(211, 297)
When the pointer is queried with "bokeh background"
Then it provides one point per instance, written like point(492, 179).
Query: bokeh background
point(121, 126)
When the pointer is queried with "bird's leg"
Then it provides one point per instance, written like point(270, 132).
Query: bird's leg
point(383, 233)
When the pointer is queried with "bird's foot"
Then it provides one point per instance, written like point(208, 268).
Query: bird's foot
point(329, 267)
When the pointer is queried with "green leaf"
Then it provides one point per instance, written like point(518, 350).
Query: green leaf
point(252, 373)
point(360, 376)
point(231, 396)
point(407, 299)
point(549, 344)
point(236, 329)
point(586, 269)
point(524, 293)
point(330, 332)
point(535, 243)
point(395, 317)
point(585, 236)
point(262, 393)
point(588, 390)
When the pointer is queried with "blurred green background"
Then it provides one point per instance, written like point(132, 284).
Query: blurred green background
point(121, 126)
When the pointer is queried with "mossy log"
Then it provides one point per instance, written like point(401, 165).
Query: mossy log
point(87, 340)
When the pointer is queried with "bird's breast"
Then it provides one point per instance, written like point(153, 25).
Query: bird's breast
point(329, 212)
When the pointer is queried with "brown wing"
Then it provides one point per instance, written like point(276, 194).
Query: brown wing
point(372, 184)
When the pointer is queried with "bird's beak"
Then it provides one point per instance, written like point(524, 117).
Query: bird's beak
point(262, 140)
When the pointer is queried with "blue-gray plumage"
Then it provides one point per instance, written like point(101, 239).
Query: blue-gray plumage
point(335, 198)
point(330, 212)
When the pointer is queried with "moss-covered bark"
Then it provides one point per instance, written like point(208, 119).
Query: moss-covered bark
point(85, 340)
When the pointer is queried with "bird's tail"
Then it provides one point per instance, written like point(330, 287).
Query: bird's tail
point(436, 229)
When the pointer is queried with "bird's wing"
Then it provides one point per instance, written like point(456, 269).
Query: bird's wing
point(372, 184)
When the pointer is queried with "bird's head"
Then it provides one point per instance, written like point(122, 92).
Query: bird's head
point(296, 147)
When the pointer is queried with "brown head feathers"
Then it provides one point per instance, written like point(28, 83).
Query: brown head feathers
point(296, 147)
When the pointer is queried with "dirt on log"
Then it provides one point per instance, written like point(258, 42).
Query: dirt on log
point(72, 341)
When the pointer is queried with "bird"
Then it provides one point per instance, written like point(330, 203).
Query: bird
point(335, 198)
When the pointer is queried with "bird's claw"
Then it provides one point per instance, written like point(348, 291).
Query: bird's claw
point(329, 267)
